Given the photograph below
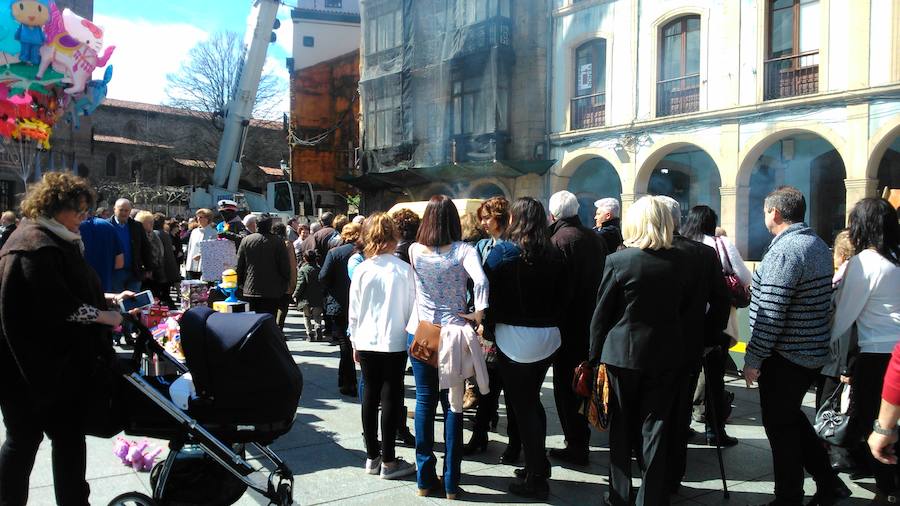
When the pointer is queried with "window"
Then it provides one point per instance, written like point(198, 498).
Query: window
point(792, 64)
point(384, 32)
point(469, 12)
point(678, 86)
point(333, 4)
point(111, 165)
point(309, 41)
point(382, 119)
point(589, 102)
point(6, 195)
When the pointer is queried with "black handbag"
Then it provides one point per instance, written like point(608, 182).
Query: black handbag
point(831, 425)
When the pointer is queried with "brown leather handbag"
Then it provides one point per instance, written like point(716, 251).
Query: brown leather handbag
point(426, 343)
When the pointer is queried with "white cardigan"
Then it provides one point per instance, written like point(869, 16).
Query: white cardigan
point(382, 293)
point(869, 295)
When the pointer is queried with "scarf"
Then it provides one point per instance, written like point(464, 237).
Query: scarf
point(61, 231)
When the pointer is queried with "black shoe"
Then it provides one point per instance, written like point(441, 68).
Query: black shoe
point(725, 441)
point(570, 455)
point(477, 444)
point(494, 421)
point(520, 473)
point(351, 392)
point(405, 437)
point(829, 495)
point(532, 487)
point(511, 455)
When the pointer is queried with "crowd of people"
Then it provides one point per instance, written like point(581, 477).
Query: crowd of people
point(484, 303)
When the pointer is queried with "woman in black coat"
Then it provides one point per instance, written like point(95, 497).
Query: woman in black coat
point(55, 336)
point(637, 332)
point(336, 282)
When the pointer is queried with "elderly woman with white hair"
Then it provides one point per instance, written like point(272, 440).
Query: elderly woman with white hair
point(584, 253)
point(250, 221)
point(607, 223)
point(637, 332)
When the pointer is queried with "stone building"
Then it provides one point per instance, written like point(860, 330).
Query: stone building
point(453, 99)
point(717, 102)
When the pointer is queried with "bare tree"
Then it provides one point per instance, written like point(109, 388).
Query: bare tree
point(207, 80)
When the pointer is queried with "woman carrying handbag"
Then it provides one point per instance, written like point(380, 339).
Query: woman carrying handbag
point(443, 345)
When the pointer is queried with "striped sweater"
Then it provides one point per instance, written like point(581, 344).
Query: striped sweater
point(790, 309)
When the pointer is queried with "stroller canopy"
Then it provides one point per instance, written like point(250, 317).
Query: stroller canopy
point(241, 367)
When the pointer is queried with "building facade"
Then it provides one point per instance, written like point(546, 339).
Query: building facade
point(717, 102)
point(453, 99)
point(325, 121)
point(323, 29)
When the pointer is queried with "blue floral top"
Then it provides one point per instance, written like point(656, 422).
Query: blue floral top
point(441, 283)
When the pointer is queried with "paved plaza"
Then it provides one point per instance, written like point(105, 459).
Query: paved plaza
point(326, 452)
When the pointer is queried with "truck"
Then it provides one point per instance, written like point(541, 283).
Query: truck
point(284, 199)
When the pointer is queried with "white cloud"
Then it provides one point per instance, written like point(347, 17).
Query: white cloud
point(278, 68)
point(145, 53)
point(286, 32)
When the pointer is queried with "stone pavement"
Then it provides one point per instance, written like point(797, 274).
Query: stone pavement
point(326, 452)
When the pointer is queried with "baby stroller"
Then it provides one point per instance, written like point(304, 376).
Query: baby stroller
point(246, 388)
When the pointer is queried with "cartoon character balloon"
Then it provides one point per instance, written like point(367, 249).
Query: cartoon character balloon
point(73, 52)
point(32, 15)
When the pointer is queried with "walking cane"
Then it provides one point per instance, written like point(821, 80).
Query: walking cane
point(711, 407)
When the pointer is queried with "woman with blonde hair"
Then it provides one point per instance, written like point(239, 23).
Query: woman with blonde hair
point(382, 292)
point(204, 231)
point(637, 332)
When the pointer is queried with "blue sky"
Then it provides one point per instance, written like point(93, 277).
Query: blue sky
point(153, 37)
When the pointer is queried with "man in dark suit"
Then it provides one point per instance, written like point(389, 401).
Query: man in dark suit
point(703, 323)
point(135, 247)
point(584, 254)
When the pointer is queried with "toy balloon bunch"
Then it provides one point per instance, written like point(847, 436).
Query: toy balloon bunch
point(47, 57)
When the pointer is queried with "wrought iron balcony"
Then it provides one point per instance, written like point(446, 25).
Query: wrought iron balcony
point(791, 76)
point(588, 111)
point(678, 96)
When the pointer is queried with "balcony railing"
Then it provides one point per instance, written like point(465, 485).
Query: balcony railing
point(589, 111)
point(791, 76)
point(678, 96)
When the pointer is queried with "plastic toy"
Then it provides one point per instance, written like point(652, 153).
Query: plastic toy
point(94, 94)
point(136, 455)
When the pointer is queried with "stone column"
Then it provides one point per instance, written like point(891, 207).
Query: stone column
point(858, 189)
point(728, 209)
point(740, 234)
point(628, 199)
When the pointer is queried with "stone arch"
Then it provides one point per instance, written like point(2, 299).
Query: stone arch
point(486, 182)
point(816, 165)
point(658, 152)
point(425, 192)
point(759, 143)
point(573, 160)
point(879, 143)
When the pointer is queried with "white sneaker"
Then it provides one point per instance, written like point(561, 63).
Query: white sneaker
point(373, 466)
point(397, 469)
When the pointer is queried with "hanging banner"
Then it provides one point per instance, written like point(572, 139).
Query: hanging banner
point(586, 77)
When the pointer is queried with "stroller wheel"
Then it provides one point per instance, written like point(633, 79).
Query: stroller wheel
point(132, 499)
point(285, 495)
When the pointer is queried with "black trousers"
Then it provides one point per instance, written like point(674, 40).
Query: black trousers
point(24, 433)
point(263, 304)
point(795, 446)
point(865, 403)
point(574, 424)
point(346, 366)
point(679, 424)
point(642, 403)
point(488, 406)
point(523, 395)
point(382, 385)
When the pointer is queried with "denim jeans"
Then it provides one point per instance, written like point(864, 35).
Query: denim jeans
point(427, 397)
point(123, 280)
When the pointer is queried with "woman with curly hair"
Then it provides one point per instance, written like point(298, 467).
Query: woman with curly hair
point(55, 336)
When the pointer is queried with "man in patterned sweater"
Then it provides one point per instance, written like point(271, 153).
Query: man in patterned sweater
point(790, 320)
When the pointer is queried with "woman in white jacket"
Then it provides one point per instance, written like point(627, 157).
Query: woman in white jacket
point(382, 292)
point(206, 231)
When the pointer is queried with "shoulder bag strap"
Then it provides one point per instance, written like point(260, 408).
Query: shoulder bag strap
point(728, 268)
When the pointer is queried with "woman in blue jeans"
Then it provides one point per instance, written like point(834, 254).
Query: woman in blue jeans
point(442, 264)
